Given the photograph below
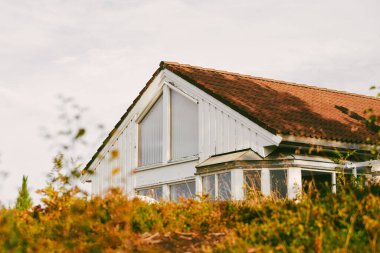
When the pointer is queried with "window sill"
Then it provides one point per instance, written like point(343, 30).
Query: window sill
point(160, 165)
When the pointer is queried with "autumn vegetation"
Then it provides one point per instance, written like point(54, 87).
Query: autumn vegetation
point(71, 221)
point(68, 219)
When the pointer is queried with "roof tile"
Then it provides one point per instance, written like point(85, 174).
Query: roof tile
point(283, 107)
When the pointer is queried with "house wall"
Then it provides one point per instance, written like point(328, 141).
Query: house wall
point(165, 174)
point(221, 130)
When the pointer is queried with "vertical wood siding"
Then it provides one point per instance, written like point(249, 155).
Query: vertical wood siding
point(218, 132)
point(221, 132)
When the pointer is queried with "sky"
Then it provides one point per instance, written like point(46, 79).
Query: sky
point(102, 53)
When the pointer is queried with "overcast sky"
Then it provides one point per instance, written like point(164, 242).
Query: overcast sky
point(103, 52)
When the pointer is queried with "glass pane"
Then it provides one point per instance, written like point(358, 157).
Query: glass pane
point(208, 186)
point(253, 180)
point(184, 126)
point(316, 180)
point(278, 183)
point(224, 186)
point(155, 193)
point(151, 135)
point(183, 191)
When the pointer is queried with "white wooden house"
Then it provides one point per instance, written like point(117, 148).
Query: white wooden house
point(194, 131)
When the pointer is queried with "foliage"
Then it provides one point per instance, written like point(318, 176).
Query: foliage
point(347, 221)
point(24, 201)
point(70, 142)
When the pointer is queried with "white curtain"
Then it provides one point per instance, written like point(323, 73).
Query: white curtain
point(184, 126)
point(151, 135)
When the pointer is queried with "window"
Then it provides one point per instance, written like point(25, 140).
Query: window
point(208, 186)
point(278, 183)
point(253, 181)
point(181, 133)
point(184, 120)
point(182, 191)
point(151, 135)
point(316, 180)
point(217, 186)
point(155, 193)
point(224, 186)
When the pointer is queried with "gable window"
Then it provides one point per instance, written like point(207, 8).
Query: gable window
point(169, 130)
point(184, 127)
point(151, 135)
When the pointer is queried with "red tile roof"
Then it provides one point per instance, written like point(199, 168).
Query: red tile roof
point(280, 107)
point(285, 108)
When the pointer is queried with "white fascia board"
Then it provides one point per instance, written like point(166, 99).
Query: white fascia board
point(322, 165)
point(199, 94)
point(140, 107)
point(326, 143)
point(363, 164)
point(171, 86)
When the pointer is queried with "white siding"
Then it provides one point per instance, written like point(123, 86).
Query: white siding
point(219, 129)
point(167, 174)
point(222, 132)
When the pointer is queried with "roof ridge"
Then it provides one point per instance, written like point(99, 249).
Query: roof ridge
point(272, 80)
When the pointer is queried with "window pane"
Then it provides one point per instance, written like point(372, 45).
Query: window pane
point(253, 180)
point(224, 186)
point(151, 135)
point(278, 183)
point(183, 191)
point(155, 193)
point(184, 126)
point(316, 180)
point(208, 185)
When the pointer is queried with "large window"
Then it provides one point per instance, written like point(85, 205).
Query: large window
point(278, 183)
point(179, 139)
point(316, 180)
point(184, 120)
point(182, 191)
point(155, 193)
point(224, 186)
point(217, 186)
point(208, 186)
point(252, 181)
point(151, 135)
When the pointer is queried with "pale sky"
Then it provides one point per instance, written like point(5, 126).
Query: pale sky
point(103, 52)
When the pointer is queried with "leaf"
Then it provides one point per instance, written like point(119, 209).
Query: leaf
point(114, 154)
point(115, 171)
point(80, 133)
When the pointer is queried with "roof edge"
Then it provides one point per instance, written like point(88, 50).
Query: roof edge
point(108, 138)
point(164, 63)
